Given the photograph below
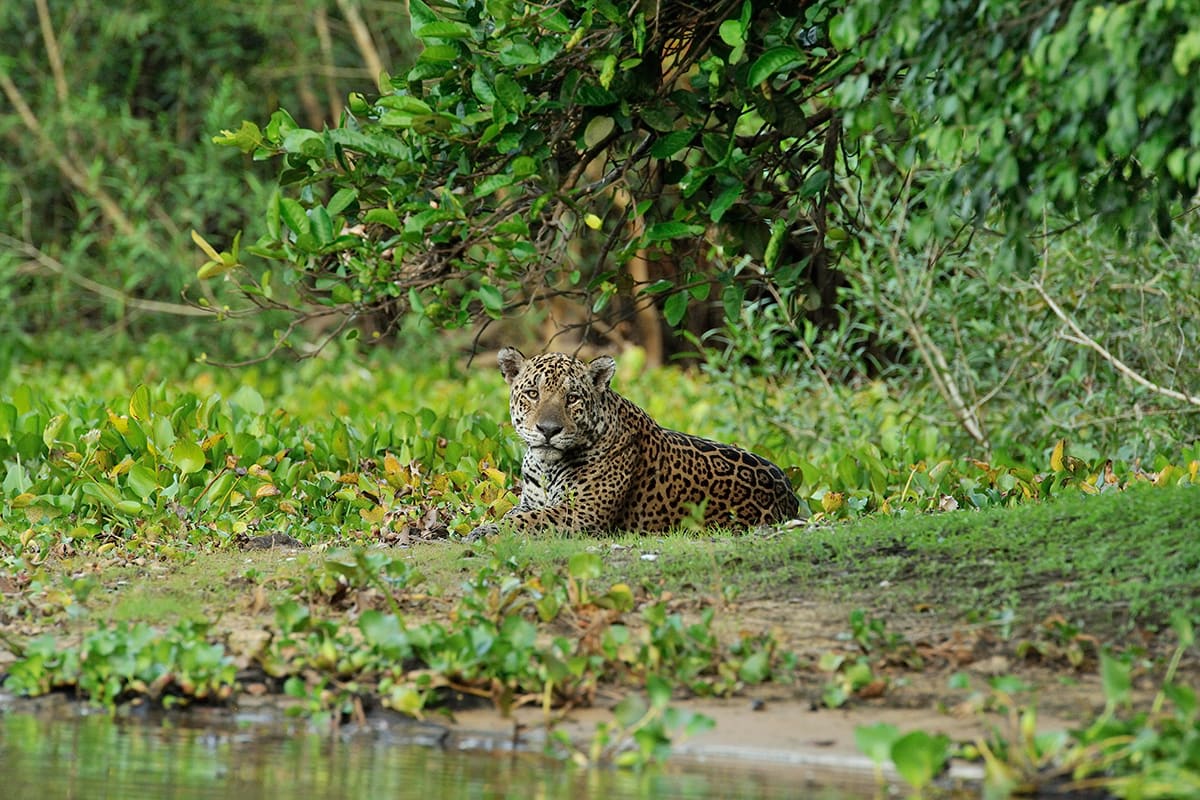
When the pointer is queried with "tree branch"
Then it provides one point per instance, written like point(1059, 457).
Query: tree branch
point(362, 38)
point(66, 165)
point(1079, 337)
point(57, 267)
point(52, 50)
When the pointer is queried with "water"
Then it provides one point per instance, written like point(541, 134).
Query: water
point(189, 756)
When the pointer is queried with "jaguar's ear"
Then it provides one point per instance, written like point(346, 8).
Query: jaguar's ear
point(601, 370)
point(511, 361)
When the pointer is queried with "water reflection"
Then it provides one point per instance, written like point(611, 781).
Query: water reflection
point(96, 756)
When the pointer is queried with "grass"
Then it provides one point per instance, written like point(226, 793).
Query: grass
point(1112, 561)
point(129, 513)
point(1108, 564)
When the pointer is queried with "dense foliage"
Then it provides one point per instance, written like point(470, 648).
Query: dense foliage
point(382, 452)
point(106, 161)
point(664, 154)
point(848, 190)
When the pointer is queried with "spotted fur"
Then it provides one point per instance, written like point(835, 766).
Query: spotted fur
point(597, 463)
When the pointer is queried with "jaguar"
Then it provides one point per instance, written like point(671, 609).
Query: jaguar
point(597, 463)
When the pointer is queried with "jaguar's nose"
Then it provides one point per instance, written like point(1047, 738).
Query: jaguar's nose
point(549, 429)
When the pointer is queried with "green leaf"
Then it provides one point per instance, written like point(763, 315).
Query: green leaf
point(732, 297)
point(383, 216)
point(8, 421)
point(434, 54)
point(597, 128)
point(1183, 627)
point(756, 668)
point(50, 432)
point(139, 403)
point(629, 710)
point(585, 566)
point(589, 94)
point(188, 456)
point(518, 54)
point(491, 183)
point(843, 32)
point(722, 202)
point(814, 184)
point(103, 492)
point(675, 308)
point(294, 217)
point(875, 741)
point(661, 231)
point(509, 92)
point(491, 298)
point(442, 29)
point(1115, 678)
point(919, 757)
point(523, 167)
point(672, 143)
point(385, 632)
point(322, 226)
point(779, 229)
point(658, 689)
point(305, 142)
point(420, 15)
point(142, 480)
point(246, 138)
point(246, 397)
point(771, 62)
point(481, 88)
point(341, 200)
point(732, 33)
point(659, 286)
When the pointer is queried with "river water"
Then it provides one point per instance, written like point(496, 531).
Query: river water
point(46, 756)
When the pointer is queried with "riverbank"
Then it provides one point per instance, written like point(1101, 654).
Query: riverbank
point(789, 639)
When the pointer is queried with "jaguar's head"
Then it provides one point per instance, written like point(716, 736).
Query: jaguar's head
point(558, 403)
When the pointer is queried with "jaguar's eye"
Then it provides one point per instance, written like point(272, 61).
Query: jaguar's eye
point(574, 397)
point(531, 394)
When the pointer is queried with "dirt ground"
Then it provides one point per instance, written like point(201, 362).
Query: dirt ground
point(782, 724)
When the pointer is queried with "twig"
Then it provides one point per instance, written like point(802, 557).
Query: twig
point(67, 165)
point(362, 38)
point(325, 39)
point(52, 50)
point(931, 354)
point(1079, 337)
point(57, 267)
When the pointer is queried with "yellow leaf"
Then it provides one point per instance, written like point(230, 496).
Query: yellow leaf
point(503, 504)
point(121, 468)
point(22, 500)
point(391, 464)
point(211, 269)
point(592, 221)
point(208, 249)
point(1056, 458)
point(1164, 476)
point(372, 516)
point(120, 423)
point(266, 490)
